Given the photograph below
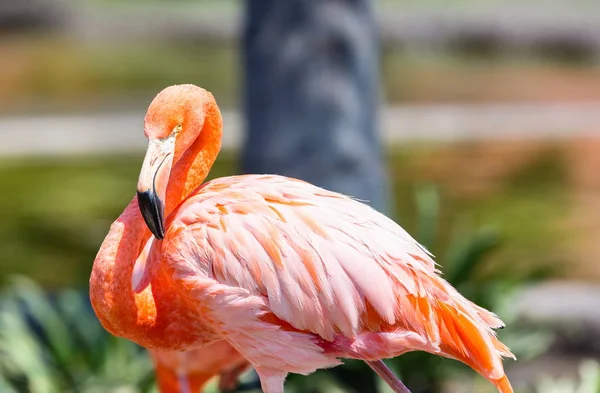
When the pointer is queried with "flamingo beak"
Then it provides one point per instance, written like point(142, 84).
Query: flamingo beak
point(152, 184)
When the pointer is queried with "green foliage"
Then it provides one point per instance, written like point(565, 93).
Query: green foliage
point(55, 344)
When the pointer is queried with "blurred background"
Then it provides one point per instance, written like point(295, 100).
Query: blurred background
point(488, 114)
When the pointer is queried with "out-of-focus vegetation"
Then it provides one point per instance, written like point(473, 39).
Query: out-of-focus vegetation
point(54, 343)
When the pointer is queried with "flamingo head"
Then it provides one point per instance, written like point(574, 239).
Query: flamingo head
point(173, 122)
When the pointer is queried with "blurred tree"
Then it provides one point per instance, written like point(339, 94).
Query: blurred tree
point(311, 71)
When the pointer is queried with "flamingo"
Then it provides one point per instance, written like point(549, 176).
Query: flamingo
point(292, 276)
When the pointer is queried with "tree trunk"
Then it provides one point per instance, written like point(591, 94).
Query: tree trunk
point(311, 75)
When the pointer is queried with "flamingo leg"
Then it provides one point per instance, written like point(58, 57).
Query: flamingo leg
point(230, 379)
point(388, 376)
point(271, 380)
point(184, 383)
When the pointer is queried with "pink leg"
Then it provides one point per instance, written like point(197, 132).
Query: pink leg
point(271, 380)
point(388, 376)
point(184, 383)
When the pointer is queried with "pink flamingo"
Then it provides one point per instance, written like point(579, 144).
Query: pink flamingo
point(293, 276)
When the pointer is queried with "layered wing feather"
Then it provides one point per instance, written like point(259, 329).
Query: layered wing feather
point(324, 264)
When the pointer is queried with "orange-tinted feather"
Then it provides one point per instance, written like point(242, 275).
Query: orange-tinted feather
point(474, 345)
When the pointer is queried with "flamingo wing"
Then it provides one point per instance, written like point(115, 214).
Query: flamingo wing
point(323, 265)
point(322, 260)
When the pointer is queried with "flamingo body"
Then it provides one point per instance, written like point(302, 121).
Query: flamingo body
point(292, 276)
point(296, 277)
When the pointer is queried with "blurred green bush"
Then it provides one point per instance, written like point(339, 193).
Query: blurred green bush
point(54, 343)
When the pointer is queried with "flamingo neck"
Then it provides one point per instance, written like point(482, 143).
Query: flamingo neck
point(121, 312)
point(192, 169)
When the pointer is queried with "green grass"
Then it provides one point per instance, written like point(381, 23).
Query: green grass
point(57, 211)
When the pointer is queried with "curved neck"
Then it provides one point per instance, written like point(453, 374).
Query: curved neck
point(192, 168)
point(120, 311)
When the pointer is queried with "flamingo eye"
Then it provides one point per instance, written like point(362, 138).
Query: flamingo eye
point(176, 130)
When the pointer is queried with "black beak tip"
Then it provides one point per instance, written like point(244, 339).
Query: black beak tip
point(152, 210)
